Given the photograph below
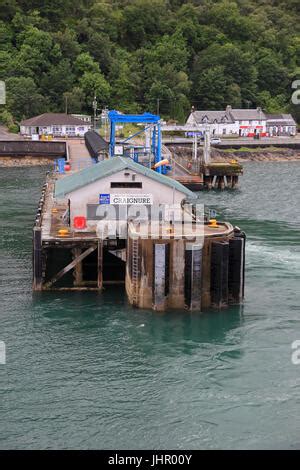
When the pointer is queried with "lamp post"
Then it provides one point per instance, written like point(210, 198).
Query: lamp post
point(206, 150)
point(95, 104)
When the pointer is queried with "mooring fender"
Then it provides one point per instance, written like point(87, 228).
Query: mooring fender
point(236, 270)
point(238, 233)
point(193, 277)
point(219, 273)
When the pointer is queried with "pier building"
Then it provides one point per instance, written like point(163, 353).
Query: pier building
point(120, 223)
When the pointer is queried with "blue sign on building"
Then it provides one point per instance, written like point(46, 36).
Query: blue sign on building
point(104, 198)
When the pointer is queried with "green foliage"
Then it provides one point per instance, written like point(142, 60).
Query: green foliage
point(138, 55)
point(94, 84)
point(23, 97)
point(6, 118)
point(13, 128)
point(74, 100)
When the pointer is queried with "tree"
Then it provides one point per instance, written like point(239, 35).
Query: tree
point(58, 78)
point(236, 68)
point(142, 22)
point(133, 52)
point(94, 84)
point(272, 75)
point(85, 63)
point(74, 100)
point(215, 90)
point(23, 97)
point(68, 43)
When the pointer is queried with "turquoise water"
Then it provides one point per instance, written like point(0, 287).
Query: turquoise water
point(86, 371)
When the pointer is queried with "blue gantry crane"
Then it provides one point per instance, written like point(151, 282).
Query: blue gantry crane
point(152, 126)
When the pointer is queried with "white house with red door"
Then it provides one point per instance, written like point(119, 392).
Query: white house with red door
point(249, 121)
point(240, 122)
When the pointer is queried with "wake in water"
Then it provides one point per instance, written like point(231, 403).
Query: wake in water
point(272, 257)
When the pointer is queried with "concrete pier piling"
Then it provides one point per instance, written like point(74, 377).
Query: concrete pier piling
point(163, 262)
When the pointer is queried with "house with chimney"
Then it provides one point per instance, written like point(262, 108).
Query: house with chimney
point(231, 121)
point(218, 122)
point(249, 121)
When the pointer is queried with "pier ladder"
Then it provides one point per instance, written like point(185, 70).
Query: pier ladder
point(135, 271)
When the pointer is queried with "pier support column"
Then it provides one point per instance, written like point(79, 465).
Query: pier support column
point(221, 182)
point(100, 265)
point(207, 180)
point(219, 274)
point(160, 275)
point(37, 259)
point(177, 273)
point(235, 181)
point(77, 273)
point(193, 276)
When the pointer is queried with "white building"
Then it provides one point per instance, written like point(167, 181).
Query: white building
point(55, 124)
point(115, 183)
point(249, 121)
point(241, 122)
point(281, 125)
point(83, 117)
point(219, 122)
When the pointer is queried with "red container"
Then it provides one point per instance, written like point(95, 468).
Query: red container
point(67, 167)
point(79, 222)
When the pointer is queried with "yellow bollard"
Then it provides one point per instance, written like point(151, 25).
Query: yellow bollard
point(213, 223)
point(63, 232)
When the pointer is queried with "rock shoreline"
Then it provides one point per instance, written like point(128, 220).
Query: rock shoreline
point(255, 155)
point(25, 161)
point(282, 155)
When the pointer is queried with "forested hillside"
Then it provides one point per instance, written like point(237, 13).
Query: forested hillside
point(132, 53)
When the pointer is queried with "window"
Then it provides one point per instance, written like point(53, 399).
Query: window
point(56, 130)
point(70, 130)
point(126, 184)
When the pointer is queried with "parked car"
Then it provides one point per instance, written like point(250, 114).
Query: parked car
point(215, 141)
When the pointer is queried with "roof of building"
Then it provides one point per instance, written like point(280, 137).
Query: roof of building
point(212, 116)
point(95, 143)
point(108, 167)
point(53, 119)
point(281, 119)
point(246, 114)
